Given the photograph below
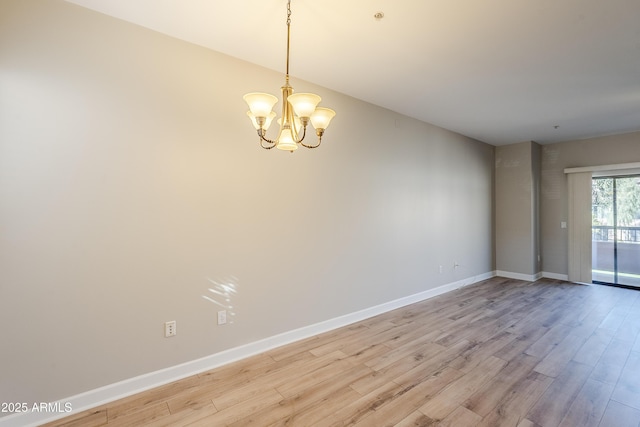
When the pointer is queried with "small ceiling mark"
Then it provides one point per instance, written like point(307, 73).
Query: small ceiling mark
point(378, 15)
point(556, 126)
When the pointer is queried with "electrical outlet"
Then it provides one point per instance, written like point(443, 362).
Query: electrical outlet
point(170, 329)
point(440, 269)
point(222, 317)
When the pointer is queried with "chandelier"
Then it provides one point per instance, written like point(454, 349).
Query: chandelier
point(298, 109)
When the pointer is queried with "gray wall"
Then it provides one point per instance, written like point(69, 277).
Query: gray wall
point(536, 164)
point(131, 182)
point(516, 210)
point(554, 208)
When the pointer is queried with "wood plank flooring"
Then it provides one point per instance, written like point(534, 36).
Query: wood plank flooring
point(499, 353)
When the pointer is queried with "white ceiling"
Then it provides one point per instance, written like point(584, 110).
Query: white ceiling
point(501, 71)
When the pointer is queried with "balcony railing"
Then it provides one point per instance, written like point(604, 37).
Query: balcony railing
point(605, 233)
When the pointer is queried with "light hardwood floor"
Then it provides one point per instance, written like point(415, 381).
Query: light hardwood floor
point(499, 353)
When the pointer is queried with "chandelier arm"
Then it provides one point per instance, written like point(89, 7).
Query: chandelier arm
point(263, 139)
point(312, 146)
point(304, 133)
point(266, 147)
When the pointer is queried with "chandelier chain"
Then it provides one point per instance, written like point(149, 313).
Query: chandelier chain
point(288, 38)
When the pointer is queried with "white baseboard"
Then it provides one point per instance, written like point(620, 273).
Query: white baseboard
point(111, 392)
point(531, 277)
point(556, 276)
point(519, 276)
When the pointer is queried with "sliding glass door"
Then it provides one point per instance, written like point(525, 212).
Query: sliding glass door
point(616, 230)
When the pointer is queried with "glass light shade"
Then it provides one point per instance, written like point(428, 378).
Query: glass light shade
point(321, 117)
point(267, 122)
point(304, 103)
point(285, 141)
point(260, 104)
